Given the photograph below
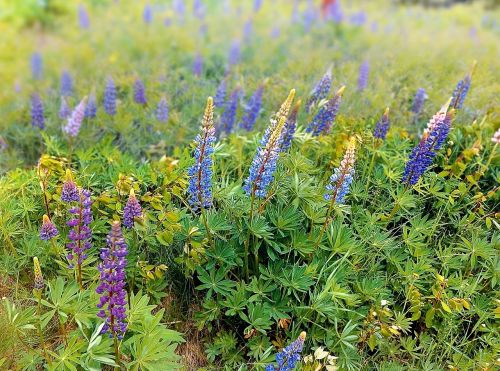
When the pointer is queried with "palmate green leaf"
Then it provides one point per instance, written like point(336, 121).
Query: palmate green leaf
point(260, 289)
point(149, 353)
point(258, 317)
point(68, 357)
point(285, 219)
point(236, 301)
point(296, 279)
point(259, 228)
point(19, 320)
point(223, 255)
point(214, 281)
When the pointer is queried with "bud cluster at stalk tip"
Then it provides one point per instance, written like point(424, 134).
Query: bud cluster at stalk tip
point(341, 179)
point(321, 89)
point(132, 210)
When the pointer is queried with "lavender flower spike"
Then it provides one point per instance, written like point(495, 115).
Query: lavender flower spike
point(198, 65)
point(382, 125)
point(418, 101)
point(341, 179)
point(287, 359)
point(48, 230)
point(364, 70)
point(64, 110)
point(147, 14)
point(322, 122)
point(110, 97)
point(132, 210)
point(75, 121)
point(66, 84)
point(69, 191)
point(433, 138)
point(229, 115)
point(321, 89)
point(290, 126)
point(37, 118)
point(200, 174)
point(36, 66)
point(113, 300)
point(91, 109)
point(252, 110)
point(234, 53)
point(162, 110)
point(139, 92)
point(462, 89)
point(83, 17)
point(220, 95)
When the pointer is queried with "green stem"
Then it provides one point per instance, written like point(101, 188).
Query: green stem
point(117, 351)
point(205, 222)
point(370, 168)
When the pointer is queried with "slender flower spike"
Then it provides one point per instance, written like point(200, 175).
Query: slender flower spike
point(234, 53)
point(110, 97)
point(91, 109)
point(418, 101)
point(341, 179)
point(75, 121)
point(496, 137)
point(252, 110)
point(382, 125)
point(321, 89)
point(433, 138)
point(290, 126)
point(461, 90)
point(66, 84)
point(322, 122)
point(64, 110)
point(37, 118)
point(139, 92)
point(228, 117)
point(69, 191)
point(220, 94)
point(364, 71)
point(198, 65)
point(147, 14)
point(48, 230)
point(287, 359)
point(113, 300)
point(200, 174)
point(38, 281)
point(36, 66)
point(131, 210)
point(162, 110)
point(83, 17)
point(80, 234)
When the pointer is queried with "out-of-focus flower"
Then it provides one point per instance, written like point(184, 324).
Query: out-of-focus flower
point(139, 92)
point(341, 179)
point(83, 17)
point(48, 230)
point(220, 94)
point(66, 84)
point(290, 126)
point(110, 97)
point(382, 126)
point(461, 90)
point(147, 14)
point(228, 117)
point(322, 122)
point(132, 210)
point(37, 117)
point(252, 109)
point(198, 65)
point(91, 108)
point(418, 101)
point(36, 66)
point(247, 30)
point(162, 110)
point(257, 4)
point(72, 128)
point(234, 53)
point(64, 109)
point(321, 89)
point(199, 9)
point(364, 71)
point(496, 137)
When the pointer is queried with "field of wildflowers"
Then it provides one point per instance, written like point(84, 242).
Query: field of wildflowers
point(249, 185)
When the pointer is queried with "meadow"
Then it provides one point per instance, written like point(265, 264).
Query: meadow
point(249, 185)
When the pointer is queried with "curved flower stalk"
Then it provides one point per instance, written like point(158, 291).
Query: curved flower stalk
point(287, 359)
point(48, 230)
point(418, 101)
point(382, 126)
point(80, 233)
point(265, 160)
point(72, 128)
point(162, 110)
point(110, 97)
point(64, 110)
point(112, 283)
point(321, 89)
point(37, 116)
point(364, 71)
point(66, 84)
point(290, 126)
point(252, 110)
point(91, 108)
point(433, 138)
point(322, 122)
point(228, 117)
point(200, 174)
point(69, 191)
point(220, 94)
point(132, 210)
point(461, 90)
point(139, 92)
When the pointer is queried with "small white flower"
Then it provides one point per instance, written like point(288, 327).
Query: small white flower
point(383, 303)
point(320, 353)
point(374, 314)
point(308, 359)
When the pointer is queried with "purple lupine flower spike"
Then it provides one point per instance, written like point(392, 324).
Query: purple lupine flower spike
point(198, 65)
point(220, 94)
point(200, 174)
point(66, 84)
point(382, 126)
point(139, 92)
point(290, 126)
point(322, 122)
point(110, 97)
point(199, 9)
point(162, 110)
point(83, 17)
point(234, 53)
point(364, 71)
point(418, 101)
point(252, 109)
point(247, 30)
point(257, 4)
point(112, 281)
point(321, 90)
point(64, 110)
point(48, 230)
point(132, 210)
point(36, 66)
point(72, 128)
point(147, 14)
point(341, 179)
point(433, 138)
point(91, 109)
point(69, 192)
point(265, 161)
point(228, 117)
point(462, 89)
point(287, 359)
point(37, 116)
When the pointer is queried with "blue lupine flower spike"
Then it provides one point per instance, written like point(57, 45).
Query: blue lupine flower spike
point(382, 126)
point(287, 359)
point(322, 122)
point(290, 126)
point(461, 90)
point(321, 90)
point(252, 110)
point(228, 117)
point(418, 101)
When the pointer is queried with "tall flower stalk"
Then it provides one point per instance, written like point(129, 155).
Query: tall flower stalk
point(37, 114)
point(252, 109)
point(287, 359)
point(74, 123)
point(132, 210)
point(139, 92)
point(418, 101)
point(228, 117)
point(322, 122)
point(290, 126)
point(461, 90)
point(320, 90)
point(110, 97)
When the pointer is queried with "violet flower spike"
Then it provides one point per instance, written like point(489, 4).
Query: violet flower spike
point(139, 92)
point(321, 89)
point(290, 127)
point(48, 230)
point(364, 71)
point(132, 210)
point(162, 110)
point(110, 97)
point(72, 128)
point(323, 120)
point(37, 115)
point(252, 110)
point(228, 117)
point(382, 126)
point(64, 110)
point(70, 192)
point(288, 358)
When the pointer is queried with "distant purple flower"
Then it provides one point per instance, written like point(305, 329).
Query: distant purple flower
point(66, 84)
point(110, 97)
point(139, 92)
point(252, 109)
point(167, 21)
point(234, 53)
point(199, 9)
point(36, 66)
point(310, 16)
point(322, 122)
point(275, 32)
point(198, 65)
point(382, 126)
point(80, 234)
point(247, 30)
point(179, 7)
point(321, 90)
point(257, 4)
point(37, 118)
point(220, 95)
point(48, 230)
point(358, 19)
point(83, 17)
point(112, 281)
point(295, 12)
point(228, 117)
point(75, 120)
point(147, 14)
point(64, 110)
point(364, 71)
point(70, 192)
point(460, 92)
point(162, 110)
point(418, 101)
point(334, 12)
point(91, 109)
point(131, 210)
point(3, 144)
point(290, 126)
